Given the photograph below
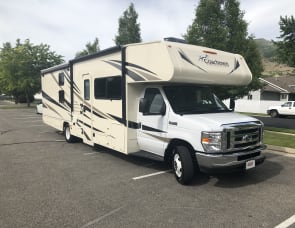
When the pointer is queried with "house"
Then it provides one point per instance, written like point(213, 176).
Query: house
point(278, 88)
point(276, 91)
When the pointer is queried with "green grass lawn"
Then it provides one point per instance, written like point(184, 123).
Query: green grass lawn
point(277, 139)
point(285, 130)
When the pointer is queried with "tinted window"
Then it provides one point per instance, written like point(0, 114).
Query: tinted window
point(86, 89)
point(107, 88)
point(114, 88)
point(193, 100)
point(287, 104)
point(100, 88)
point(61, 96)
point(154, 102)
point(61, 79)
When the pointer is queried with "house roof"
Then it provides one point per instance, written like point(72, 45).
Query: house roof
point(284, 84)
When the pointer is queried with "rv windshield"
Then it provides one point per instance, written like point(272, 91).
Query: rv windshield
point(193, 100)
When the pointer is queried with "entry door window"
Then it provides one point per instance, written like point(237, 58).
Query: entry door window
point(86, 89)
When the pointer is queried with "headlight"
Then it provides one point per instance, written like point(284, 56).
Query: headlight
point(212, 141)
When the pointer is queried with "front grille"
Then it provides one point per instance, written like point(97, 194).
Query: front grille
point(242, 136)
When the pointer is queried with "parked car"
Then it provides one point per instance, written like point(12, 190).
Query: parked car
point(286, 109)
point(39, 108)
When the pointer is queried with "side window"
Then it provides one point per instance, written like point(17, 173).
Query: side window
point(287, 104)
point(86, 89)
point(107, 88)
point(154, 102)
point(293, 104)
point(114, 87)
point(100, 90)
point(61, 79)
point(61, 96)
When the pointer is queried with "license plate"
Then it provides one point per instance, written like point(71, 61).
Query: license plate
point(250, 164)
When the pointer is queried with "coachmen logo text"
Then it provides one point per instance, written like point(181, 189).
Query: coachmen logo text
point(205, 59)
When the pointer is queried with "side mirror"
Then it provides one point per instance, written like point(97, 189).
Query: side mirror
point(232, 104)
point(163, 110)
point(142, 104)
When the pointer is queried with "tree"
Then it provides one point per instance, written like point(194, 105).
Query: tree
point(219, 24)
point(239, 42)
point(208, 27)
point(286, 47)
point(91, 48)
point(236, 26)
point(20, 67)
point(129, 28)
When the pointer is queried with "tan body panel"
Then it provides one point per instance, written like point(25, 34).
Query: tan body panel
point(101, 121)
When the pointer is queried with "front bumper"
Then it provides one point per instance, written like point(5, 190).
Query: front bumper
point(229, 162)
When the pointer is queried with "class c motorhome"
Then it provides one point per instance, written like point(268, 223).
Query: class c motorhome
point(155, 99)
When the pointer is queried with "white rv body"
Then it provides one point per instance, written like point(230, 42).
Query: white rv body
point(98, 98)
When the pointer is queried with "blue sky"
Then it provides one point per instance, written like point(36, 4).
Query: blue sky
point(67, 25)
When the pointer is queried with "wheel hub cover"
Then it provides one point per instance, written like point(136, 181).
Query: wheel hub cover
point(177, 165)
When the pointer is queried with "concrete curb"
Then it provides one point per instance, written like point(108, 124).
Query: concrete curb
point(281, 133)
point(281, 149)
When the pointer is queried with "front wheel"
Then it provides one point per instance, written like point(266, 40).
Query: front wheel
point(274, 113)
point(183, 166)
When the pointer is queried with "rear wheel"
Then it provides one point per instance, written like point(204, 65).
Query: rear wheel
point(274, 113)
point(183, 165)
point(67, 132)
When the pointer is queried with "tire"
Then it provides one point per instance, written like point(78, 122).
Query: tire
point(67, 133)
point(182, 164)
point(274, 113)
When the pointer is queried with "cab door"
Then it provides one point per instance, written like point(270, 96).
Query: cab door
point(286, 108)
point(291, 109)
point(153, 120)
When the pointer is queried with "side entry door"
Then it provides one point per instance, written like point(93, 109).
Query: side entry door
point(153, 120)
point(86, 110)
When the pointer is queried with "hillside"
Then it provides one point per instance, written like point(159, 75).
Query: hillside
point(266, 48)
point(272, 68)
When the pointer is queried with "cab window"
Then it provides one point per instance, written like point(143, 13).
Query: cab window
point(154, 102)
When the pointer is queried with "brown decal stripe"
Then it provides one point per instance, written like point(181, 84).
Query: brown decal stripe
point(50, 99)
point(164, 139)
point(130, 73)
point(76, 88)
point(147, 128)
point(52, 109)
point(237, 65)
point(84, 132)
point(97, 130)
point(87, 125)
point(186, 58)
point(120, 120)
